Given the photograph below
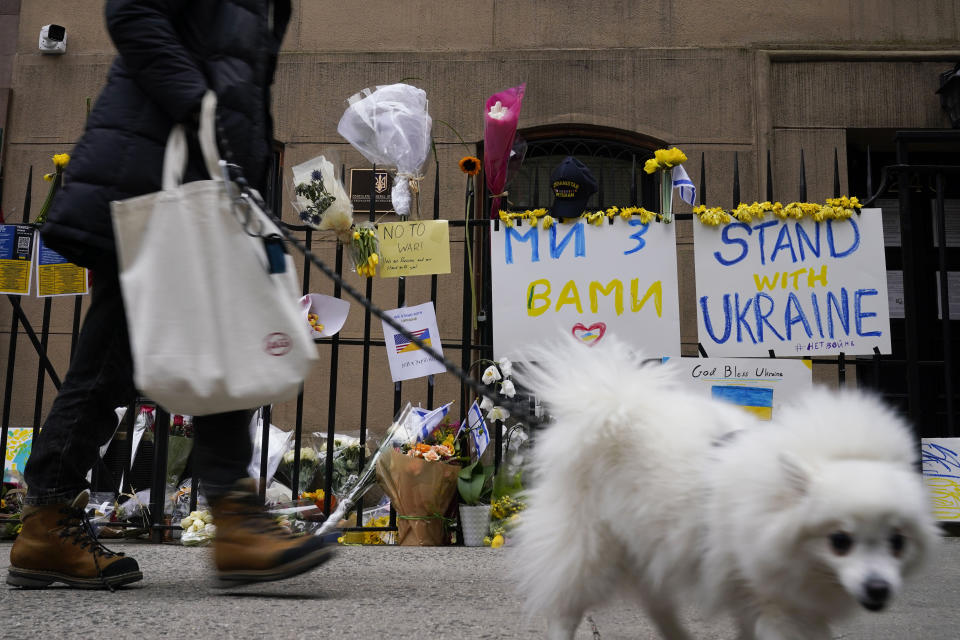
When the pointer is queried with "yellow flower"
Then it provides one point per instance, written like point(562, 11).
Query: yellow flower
point(356, 235)
point(49, 176)
point(651, 165)
point(548, 222)
point(486, 541)
point(497, 542)
point(668, 158)
point(60, 160)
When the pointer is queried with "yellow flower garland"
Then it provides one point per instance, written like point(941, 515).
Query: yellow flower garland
point(535, 216)
point(834, 209)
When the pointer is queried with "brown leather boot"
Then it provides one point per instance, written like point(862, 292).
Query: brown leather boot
point(57, 544)
point(250, 546)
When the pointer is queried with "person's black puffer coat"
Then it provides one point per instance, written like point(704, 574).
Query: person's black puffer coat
point(170, 53)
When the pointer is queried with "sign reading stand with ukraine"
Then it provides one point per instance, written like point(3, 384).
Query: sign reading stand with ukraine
point(796, 287)
point(587, 280)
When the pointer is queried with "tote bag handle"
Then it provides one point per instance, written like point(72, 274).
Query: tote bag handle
point(175, 156)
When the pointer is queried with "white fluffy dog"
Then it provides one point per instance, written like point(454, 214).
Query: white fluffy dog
point(640, 484)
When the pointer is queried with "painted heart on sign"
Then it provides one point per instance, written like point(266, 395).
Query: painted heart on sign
point(589, 335)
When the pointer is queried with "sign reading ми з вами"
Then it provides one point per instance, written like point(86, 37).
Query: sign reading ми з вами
point(361, 187)
point(586, 280)
point(796, 287)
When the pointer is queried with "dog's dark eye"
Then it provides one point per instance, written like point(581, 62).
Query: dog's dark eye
point(841, 542)
point(897, 542)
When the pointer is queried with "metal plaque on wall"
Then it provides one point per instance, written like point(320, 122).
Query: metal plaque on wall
point(363, 182)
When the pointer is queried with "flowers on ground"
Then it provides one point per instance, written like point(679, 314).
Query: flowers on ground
point(198, 528)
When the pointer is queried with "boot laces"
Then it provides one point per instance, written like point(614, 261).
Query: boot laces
point(76, 526)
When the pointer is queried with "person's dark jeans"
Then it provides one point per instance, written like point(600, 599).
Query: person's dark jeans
point(82, 418)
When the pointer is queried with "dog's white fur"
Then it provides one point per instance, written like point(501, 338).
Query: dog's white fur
point(640, 484)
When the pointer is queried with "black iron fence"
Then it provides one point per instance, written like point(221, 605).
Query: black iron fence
point(918, 376)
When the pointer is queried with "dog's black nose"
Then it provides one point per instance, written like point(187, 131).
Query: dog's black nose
point(876, 591)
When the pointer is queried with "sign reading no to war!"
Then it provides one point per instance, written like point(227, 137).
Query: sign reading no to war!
point(798, 287)
point(589, 281)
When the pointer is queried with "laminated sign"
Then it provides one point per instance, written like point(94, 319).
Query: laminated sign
point(590, 281)
point(794, 287)
point(16, 258)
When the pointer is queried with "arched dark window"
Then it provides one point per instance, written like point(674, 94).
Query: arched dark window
point(615, 158)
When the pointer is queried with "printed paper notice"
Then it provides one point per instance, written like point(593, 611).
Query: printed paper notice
point(56, 276)
point(16, 258)
point(414, 248)
point(407, 359)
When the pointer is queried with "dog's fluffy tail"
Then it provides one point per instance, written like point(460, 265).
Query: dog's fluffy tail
point(593, 394)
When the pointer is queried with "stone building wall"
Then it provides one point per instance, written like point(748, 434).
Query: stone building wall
point(719, 77)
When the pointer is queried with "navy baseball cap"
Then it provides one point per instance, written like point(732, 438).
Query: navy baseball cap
point(572, 185)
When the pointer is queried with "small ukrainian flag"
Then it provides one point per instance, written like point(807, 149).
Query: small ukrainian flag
point(756, 400)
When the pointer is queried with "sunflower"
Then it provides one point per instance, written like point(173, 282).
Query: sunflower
point(470, 165)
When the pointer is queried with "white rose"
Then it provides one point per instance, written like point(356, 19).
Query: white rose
point(507, 389)
point(288, 457)
point(308, 454)
point(491, 375)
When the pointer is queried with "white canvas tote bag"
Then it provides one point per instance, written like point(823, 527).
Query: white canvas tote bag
point(211, 297)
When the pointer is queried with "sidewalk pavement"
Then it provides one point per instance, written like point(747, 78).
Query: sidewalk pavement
point(391, 592)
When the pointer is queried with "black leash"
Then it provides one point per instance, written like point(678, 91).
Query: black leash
point(515, 408)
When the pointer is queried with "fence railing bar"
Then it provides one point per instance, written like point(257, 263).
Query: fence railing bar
point(736, 178)
point(948, 386)
point(803, 177)
point(769, 178)
point(703, 179)
point(161, 434)
point(44, 344)
point(75, 331)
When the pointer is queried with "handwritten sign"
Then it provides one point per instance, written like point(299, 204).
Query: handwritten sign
point(414, 247)
point(758, 385)
point(940, 461)
point(407, 360)
point(586, 280)
point(56, 276)
point(798, 287)
point(16, 258)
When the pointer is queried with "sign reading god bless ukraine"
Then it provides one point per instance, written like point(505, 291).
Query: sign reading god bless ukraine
point(586, 280)
point(798, 287)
